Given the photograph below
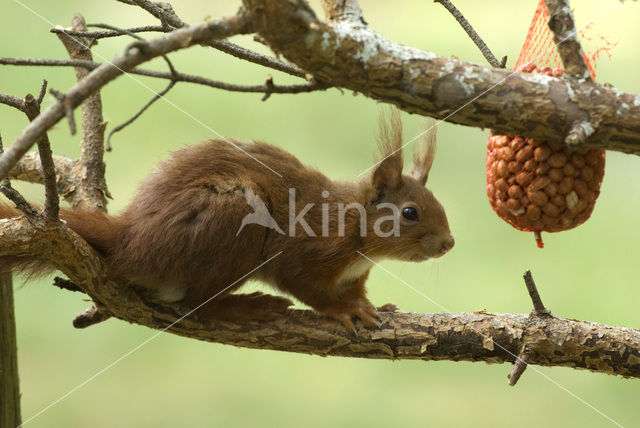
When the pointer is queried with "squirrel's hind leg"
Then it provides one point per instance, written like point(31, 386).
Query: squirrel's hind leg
point(244, 307)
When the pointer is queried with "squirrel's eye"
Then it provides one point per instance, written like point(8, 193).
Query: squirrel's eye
point(410, 213)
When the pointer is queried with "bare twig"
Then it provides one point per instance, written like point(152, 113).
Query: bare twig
point(90, 165)
point(19, 201)
point(170, 20)
point(491, 59)
point(533, 293)
point(133, 56)
point(179, 77)
point(566, 39)
point(52, 200)
point(121, 31)
point(89, 65)
point(14, 196)
point(257, 58)
point(68, 107)
point(155, 97)
point(526, 354)
point(31, 107)
point(519, 366)
point(95, 35)
point(12, 101)
point(129, 121)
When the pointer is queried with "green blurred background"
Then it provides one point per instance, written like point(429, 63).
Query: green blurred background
point(589, 273)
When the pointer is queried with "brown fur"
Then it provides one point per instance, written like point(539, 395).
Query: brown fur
point(179, 232)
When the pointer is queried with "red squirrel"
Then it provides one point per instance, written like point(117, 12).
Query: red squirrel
point(213, 216)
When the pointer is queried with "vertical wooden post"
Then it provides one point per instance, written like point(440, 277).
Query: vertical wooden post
point(9, 380)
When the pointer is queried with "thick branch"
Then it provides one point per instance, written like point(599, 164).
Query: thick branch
point(478, 336)
point(566, 38)
point(133, 56)
point(350, 55)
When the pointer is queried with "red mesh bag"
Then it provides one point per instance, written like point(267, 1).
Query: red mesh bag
point(539, 185)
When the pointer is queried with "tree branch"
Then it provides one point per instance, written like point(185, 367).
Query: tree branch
point(170, 20)
point(133, 56)
point(30, 106)
point(538, 306)
point(51, 201)
point(90, 167)
point(351, 56)
point(476, 336)
point(486, 52)
point(29, 169)
point(12, 101)
point(179, 77)
point(155, 97)
point(14, 196)
point(566, 38)
point(95, 35)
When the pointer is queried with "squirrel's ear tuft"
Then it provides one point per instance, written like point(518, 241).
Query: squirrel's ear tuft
point(424, 153)
point(388, 171)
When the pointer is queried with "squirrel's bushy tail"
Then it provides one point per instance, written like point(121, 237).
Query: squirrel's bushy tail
point(99, 229)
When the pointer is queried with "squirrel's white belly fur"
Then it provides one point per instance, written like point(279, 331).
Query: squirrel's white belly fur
point(353, 271)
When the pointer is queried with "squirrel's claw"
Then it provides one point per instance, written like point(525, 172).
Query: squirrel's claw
point(367, 313)
point(361, 308)
point(345, 319)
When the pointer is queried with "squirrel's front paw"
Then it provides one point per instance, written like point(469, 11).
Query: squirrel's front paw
point(360, 308)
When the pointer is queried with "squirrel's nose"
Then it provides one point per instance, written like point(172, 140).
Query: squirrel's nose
point(447, 244)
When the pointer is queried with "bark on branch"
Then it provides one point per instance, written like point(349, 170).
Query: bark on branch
point(350, 55)
point(90, 167)
point(476, 336)
point(566, 38)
